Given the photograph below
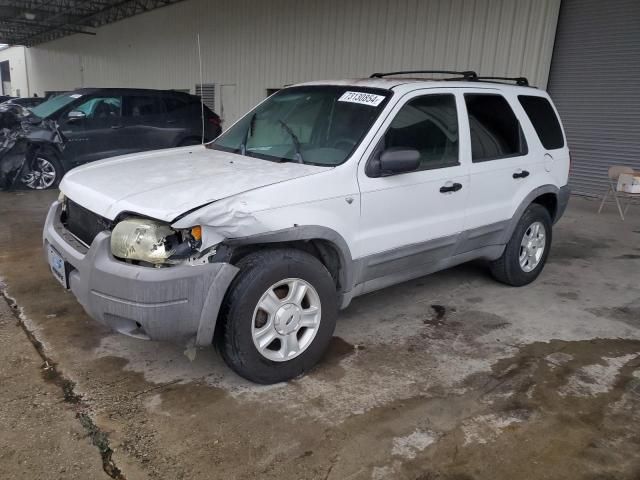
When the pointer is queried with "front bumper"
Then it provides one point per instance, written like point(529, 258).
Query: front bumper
point(168, 304)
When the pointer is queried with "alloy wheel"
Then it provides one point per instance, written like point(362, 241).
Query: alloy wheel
point(532, 246)
point(286, 319)
point(42, 176)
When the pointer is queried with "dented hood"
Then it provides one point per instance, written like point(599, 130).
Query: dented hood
point(164, 184)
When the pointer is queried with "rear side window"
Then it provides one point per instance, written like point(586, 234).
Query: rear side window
point(428, 124)
point(544, 120)
point(495, 129)
point(143, 105)
point(175, 105)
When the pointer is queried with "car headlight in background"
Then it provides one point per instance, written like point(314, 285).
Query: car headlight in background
point(151, 241)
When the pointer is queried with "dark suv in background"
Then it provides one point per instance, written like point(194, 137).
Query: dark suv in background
point(96, 123)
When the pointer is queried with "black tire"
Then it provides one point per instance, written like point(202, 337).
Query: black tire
point(189, 142)
point(507, 268)
point(258, 272)
point(34, 183)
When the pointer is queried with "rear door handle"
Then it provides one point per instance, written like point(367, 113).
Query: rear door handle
point(522, 174)
point(454, 187)
point(116, 126)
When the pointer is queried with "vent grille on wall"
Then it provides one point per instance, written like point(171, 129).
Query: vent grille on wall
point(207, 91)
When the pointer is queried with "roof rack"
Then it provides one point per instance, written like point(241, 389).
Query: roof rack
point(520, 81)
point(467, 75)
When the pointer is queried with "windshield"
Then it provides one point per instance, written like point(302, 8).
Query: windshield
point(318, 125)
point(54, 104)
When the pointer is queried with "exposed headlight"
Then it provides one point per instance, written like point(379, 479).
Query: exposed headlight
point(144, 240)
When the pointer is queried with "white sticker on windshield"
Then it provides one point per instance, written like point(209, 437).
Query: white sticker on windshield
point(76, 95)
point(362, 98)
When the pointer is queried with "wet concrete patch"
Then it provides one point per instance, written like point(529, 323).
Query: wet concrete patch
point(447, 321)
point(576, 247)
point(521, 403)
point(629, 313)
point(568, 295)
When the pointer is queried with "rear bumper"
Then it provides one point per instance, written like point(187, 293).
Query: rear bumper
point(168, 304)
point(563, 201)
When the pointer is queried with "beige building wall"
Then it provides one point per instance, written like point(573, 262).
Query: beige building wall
point(249, 46)
point(18, 69)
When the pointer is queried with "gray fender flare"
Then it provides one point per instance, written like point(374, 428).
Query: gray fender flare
point(307, 232)
point(523, 206)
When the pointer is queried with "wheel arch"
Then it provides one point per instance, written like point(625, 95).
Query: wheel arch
point(46, 149)
point(545, 195)
point(325, 244)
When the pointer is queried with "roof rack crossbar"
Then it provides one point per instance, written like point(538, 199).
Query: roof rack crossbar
point(467, 75)
point(520, 81)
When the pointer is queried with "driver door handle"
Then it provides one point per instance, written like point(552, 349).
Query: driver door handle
point(454, 187)
point(116, 126)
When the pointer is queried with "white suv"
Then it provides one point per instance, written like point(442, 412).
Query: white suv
point(323, 192)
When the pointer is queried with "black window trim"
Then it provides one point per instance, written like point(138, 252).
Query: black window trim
point(380, 145)
point(525, 151)
point(555, 114)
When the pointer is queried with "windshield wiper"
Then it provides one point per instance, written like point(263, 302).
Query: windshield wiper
point(296, 142)
point(250, 128)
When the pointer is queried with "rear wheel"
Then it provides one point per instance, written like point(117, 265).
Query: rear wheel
point(278, 317)
point(526, 253)
point(45, 172)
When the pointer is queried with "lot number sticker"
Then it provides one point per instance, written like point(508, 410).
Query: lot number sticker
point(362, 98)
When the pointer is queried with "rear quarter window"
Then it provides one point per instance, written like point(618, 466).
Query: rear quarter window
point(544, 120)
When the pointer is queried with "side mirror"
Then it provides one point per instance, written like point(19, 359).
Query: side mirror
point(393, 161)
point(75, 115)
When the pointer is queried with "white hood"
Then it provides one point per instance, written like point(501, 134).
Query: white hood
point(166, 183)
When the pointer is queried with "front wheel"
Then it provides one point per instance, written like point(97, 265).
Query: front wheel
point(45, 172)
point(526, 253)
point(278, 317)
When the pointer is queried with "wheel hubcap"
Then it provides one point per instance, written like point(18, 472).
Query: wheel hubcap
point(286, 319)
point(532, 246)
point(42, 176)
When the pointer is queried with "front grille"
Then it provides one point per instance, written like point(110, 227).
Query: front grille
point(83, 223)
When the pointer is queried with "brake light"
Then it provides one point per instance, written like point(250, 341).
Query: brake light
point(214, 121)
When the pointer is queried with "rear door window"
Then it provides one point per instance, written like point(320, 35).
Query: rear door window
point(495, 129)
point(544, 120)
point(428, 124)
point(175, 105)
point(143, 106)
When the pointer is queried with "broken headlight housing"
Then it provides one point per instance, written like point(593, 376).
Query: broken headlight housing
point(150, 241)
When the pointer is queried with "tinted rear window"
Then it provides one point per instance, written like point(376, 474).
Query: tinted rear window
point(495, 129)
point(544, 120)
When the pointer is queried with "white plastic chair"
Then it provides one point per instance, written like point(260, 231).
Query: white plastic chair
point(614, 174)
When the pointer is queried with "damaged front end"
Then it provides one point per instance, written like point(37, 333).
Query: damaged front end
point(22, 135)
point(147, 241)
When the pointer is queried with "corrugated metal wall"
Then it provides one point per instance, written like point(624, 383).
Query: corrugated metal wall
point(260, 44)
point(595, 83)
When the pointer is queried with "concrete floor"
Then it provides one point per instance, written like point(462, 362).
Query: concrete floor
point(451, 376)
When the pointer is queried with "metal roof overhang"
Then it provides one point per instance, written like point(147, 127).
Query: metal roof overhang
point(30, 22)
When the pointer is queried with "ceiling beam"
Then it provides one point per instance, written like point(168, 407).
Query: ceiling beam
point(51, 19)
